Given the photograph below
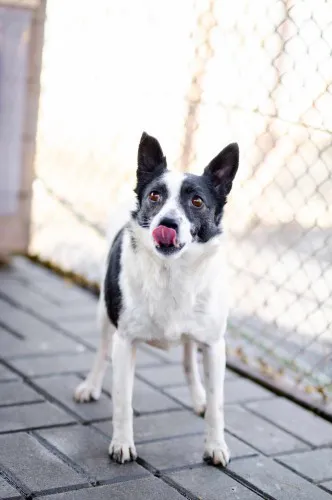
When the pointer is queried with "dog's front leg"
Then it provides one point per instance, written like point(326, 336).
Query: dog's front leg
point(122, 447)
point(214, 359)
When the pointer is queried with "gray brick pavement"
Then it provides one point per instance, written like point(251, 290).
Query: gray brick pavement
point(147, 488)
point(55, 449)
point(315, 465)
point(275, 480)
point(87, 448)
point(7, 491)
point(33, 465)
point(296, 420)
point(33, 416)
point(16, 392)
point(327, 485)
point(210, 484)
point(236, 391)
point(161, 425)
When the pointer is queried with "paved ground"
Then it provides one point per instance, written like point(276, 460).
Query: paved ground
point(53, 448)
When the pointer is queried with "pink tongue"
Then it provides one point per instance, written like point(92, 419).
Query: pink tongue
point(164, 235)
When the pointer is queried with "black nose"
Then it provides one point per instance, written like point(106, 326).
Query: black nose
point(167, 222)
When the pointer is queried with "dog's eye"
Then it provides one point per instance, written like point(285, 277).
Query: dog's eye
point(197, 201)
point(154, 196)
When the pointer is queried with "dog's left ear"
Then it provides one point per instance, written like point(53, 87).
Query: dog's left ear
point(222, 169)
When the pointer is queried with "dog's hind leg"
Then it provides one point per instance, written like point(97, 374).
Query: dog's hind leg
point(90, 389)
point(191, 370)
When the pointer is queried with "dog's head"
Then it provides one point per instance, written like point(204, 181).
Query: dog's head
point(176, 210)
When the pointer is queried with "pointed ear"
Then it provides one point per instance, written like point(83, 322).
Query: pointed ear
point(150, 159)
point(223, 167)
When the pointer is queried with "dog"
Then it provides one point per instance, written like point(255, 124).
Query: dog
point(165, 283)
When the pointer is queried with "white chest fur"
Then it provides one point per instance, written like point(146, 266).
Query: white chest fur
point(165, 299)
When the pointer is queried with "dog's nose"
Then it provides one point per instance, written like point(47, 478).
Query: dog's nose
point(168, 222)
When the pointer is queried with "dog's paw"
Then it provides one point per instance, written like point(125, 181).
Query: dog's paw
point(199, 408)
point(217, 453)
point(122, 452)
point(86, 391)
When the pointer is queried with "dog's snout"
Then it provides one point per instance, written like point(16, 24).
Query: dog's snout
point(168, 222)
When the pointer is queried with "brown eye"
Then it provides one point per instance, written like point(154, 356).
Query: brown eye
point(154, 196)
point(197, 201)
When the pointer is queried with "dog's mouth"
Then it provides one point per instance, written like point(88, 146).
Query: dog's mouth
point(165, 240)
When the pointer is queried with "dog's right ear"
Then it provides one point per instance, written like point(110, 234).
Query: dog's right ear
point(150, 159)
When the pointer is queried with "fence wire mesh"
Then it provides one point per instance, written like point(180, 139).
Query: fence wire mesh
point(199, 75)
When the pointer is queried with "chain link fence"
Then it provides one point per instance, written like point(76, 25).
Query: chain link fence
point(199, 75)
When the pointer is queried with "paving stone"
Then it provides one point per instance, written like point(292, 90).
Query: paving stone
point(327, 485)
point(188, 450)
point(169, 424)
point(39, 345)
point(89, 449)
point(5, 373)
point(146, 359)
point(181, 394)
point(210, 483)
point(259, 433)
point(242, 390)
point(80, 326)
point(22, 322)
point(7, 491)
point(147, 400)
point(8, 273)
point(161, 425)
point(164, 376)
point(62, 389)
point(32, 335)
point(64, 292)
point(314, 464)
point(275, 480)
point(91, 340)
point(74, 310)
point(34, 465)
point(313, 429)
point(14, 418)
point(173, 355)
point(17, 392)
point(26, 269)
point(79, 362)
point(172, 375)
point(236, 391)
point(150, 488)
point(47, 365)
point(24, 295)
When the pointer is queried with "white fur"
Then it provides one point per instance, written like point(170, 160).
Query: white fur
point(166, 301)
point(122, 448)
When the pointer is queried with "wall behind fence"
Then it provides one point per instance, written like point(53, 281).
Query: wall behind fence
point(199, 75)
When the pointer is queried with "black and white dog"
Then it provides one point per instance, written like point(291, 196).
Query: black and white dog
point(165, 283)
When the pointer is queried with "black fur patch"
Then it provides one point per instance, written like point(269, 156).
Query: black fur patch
point(147, 209)
point(133, 243)
point(204, 220)
point(112, 292)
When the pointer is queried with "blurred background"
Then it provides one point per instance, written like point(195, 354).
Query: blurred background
point(198, 74)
